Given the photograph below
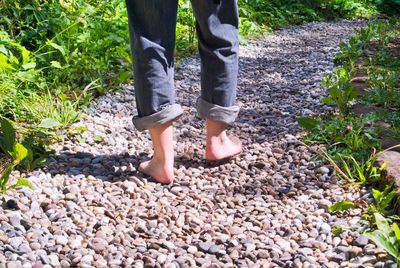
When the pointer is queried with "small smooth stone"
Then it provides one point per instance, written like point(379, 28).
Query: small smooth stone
point(15, 242)
point(161, 258)
point(62, 240)
point(87, 259)
point(235, 230)
point(169, 245)
point(361, 241)
point(192, 249)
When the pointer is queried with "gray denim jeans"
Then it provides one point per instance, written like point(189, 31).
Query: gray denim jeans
point(152, 26)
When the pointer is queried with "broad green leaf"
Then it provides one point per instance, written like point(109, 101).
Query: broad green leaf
point(335, 93)
point(376, 194)
point(20, 152)
point(386, 200)
point(29, 65)
point(342, 206)
point(58, 47)
point(3, 50)
point(326, 100)
point(308, 123)
point(49, 123)
point(9, 136)
point(382, 223)
point(396, 230)
point(22, 182)
point(353, 94)
point(56, 64)
point(382, 241)
point(4, 63)
point(63, 97)
point(25, 55)
point(5, 177)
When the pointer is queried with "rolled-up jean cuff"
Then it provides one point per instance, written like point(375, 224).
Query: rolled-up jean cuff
point(167, 114)
point(215, 112)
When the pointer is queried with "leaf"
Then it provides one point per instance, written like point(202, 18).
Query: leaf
point(382, 241)
point(3, 50)
point(25, 55)
point(56, 64)
point(20, 152)
point(29, 65)
point(396, 230)
point(382, 223)
point(49, 123)
point(308, 123)
point(5, 177)
point(4, 63)
point(22, 182)
point(377, 195)
point(384, 166)
point(341, 206)
point(326, 100)
point(58, 47)
point(9, 136)
point(97, 138)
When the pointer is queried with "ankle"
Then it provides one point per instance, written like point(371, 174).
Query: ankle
point(216, 131)
point(163, 160)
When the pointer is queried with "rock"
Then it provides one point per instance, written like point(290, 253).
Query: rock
point(12, 204)
point(214, 249)
point(53, 260)
point(168, 245)
point(99, 244)
point(204, 246)
point(323, 170)
point(235, 230)
point(86, 259)
point(305, 251)
point(161, 258)
point(361, 241)
point(61, 240)
point(192, 249)
point(325, 228)
point(368, 259)
point(391, 158)
point(15, 242)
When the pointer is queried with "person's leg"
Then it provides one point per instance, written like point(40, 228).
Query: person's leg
point(217, 30)
point(152, 28)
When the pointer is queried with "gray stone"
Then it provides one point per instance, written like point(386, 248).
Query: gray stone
point(361, 241)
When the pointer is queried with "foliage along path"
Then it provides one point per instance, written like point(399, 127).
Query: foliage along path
point(265, 208)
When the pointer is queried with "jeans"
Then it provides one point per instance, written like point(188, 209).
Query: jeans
point(152, 26)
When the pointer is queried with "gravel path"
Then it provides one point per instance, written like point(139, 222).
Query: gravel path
point(266, 208)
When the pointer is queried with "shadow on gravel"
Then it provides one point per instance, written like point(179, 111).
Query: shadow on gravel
point(104, 167)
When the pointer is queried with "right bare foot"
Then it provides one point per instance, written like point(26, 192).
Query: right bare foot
point(218, 145)
point(161, 172)
point(222, 147)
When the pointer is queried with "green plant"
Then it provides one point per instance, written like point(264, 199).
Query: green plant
point(383, 200)
point(17, 151)
point(364, 173)
point(343, 205)
point(341, 91)
point(383, 84)
point(386, 236)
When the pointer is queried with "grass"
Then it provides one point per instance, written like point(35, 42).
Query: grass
point(352, 141)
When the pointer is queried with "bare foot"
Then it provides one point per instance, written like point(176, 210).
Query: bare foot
point(161, 167)
point(162, 173)
point(222, 147)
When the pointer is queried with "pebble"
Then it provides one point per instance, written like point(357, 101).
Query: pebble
point(267, 204)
